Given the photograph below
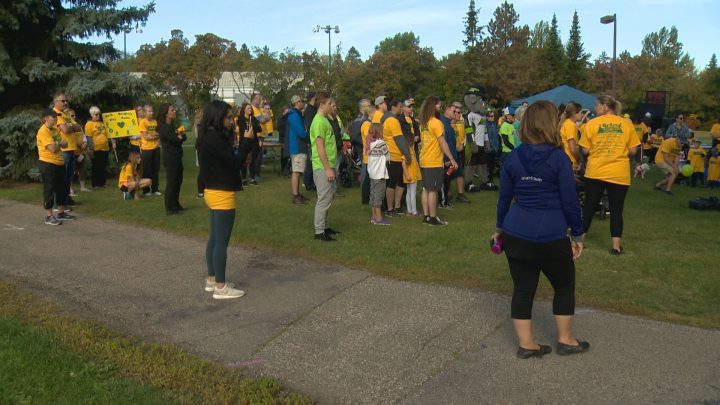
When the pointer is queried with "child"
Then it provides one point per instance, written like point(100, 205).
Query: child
point(714, 168)
point(411, 174)
point(697, 161)
point(52, 168)
point(657, 141)
point(130, 179)
point(378, 156)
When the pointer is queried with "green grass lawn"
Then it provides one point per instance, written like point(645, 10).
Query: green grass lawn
point(669, 271)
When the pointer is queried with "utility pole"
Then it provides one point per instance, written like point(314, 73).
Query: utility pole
point(328, 30)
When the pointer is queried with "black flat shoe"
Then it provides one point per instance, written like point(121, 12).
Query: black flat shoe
point(523, 353)
point(324, 237)
point(331, 231)
point(616, 252)
point(563, 349)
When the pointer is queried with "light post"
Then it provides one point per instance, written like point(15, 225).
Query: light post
point(126, 31)
point(328, 30)
point(607, 20)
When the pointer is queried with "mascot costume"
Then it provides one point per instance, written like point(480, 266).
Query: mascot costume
point(479, 145)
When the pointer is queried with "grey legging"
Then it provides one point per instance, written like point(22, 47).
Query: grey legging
point(221, 224)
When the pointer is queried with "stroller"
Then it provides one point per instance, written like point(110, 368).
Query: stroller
point(348, 166)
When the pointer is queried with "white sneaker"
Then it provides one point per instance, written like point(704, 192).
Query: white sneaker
point(210, 287)
point(227, 292)
point(157, 193)
point(85, 190)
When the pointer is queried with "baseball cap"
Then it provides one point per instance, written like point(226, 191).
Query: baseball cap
point(409, 102)
point(379, 100)
point(48, 112)
point(294, 99)
point(476, 89)
point(506, 111)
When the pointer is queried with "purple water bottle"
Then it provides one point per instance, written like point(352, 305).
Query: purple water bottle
point(496, 245)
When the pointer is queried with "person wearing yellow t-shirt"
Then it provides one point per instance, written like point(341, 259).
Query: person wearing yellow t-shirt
point(714, 167)
point(569, 133)
point(131, 181)
point(52, 167)
point(643, 133)
point(80, 155)
point(411, 169)
point(697, 156)
point(434, 146)
point(609, 141)
point(715, 133)
point(381, 108)
point(150, 150)
point(101, 148)
point(264, 117)
point(398, 147)
point(459, 126)
point(67, 128)
point(668, 160)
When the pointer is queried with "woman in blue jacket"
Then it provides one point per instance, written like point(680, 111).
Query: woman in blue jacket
point(538, 176)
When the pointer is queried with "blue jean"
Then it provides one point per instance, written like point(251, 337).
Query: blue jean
point(221, 225)
point(69, 162)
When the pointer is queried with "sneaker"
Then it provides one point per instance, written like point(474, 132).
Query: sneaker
point(616, 252)
point(324, 237)
point(64, 216)
point(227, 292)
point(391, 213)
point(201, 195)
point(461, 198)
point(210, 287)
point(157, 193)
point(51, 220)
point(147, 194)
point(254, 182)
point(435, 221)
point(67, 209)
point(127, 196)
point(331, 231)
point(85, 190)
point(426, 220)
point(298, 200)
point(383, 222)
point(446, 206)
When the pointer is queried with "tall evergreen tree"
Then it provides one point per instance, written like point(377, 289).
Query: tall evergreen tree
point(713, 65)
point(577, 58)
point(553, 57)
point(473, 32)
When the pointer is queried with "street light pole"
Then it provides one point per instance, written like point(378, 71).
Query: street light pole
point(126, 31)
point(328, 30)
point(607, 20)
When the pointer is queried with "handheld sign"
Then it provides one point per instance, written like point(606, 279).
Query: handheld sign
point(121, 124)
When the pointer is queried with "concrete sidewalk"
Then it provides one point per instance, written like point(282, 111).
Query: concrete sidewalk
point(342, 335)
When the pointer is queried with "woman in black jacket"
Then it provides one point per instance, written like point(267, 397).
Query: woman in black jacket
point(171, 141)
point(220, 171)
point(249, 128)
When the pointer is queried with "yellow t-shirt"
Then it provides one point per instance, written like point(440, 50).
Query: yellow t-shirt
point(364, 128)
point(149, 126)
point(431, 155)
point(267, 128)
point(48, 136)
point(459, 135)
point(670, 147)
point(81, 146)
point(219, 199)
point(391, 129)
point(377, 116)
point(608, 137)
point(715, 128)
point(96, 130)
point(126, 175)
point(568, 132)
point(71, 139)
point(697, 159)
point(714, 169)
point(658, 140)
point(641, 129)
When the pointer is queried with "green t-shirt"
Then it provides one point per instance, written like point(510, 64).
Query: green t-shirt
point(507, 129)
point(320, 128)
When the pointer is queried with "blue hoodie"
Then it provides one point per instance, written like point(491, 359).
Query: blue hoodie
point(540, 180)
point(297, 135)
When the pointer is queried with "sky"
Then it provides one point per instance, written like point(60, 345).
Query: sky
point(439, 24)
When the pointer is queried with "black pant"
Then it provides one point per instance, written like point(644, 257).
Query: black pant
point(697, 176)
point(151, 167)
point(99, 168)
point(200, 184)
point(308, 175)
point(54, 186)
point(221, 225)
point(559, 269)
point(173, 179)
point(594, 190)
point(257, 158)
point(490, 158)
point(248, 149)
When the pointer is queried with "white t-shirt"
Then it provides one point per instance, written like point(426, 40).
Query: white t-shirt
point(477, 121)
point(377, 160)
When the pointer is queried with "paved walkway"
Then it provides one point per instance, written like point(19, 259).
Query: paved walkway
point(346, 336)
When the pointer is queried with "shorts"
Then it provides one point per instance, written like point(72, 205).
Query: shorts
point(298, 162)
point(395, 174)
point(377, 192)
point(461, 165)
point(432, 178)
point(666, 168)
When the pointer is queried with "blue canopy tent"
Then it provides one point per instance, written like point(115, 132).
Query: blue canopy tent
point(560, 95)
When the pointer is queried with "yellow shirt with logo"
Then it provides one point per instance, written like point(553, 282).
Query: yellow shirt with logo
point(657, 141)
point(670, 147)
point(431, 155)
point(377, 116)
point(641, 129)
point(219, 199)
point(364, 128)
point(48, 136)
point(460, 135)
point(714, 169)
point(608, 137)
point(697, 159)
point(391, 129)
point(126, 175)
point(71, 139)
point(715, 128)
point(568, 132)
point(150, 127)
point(96, 130)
